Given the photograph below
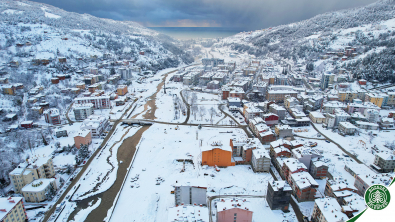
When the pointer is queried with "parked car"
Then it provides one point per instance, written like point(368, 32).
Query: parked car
point(327, 141)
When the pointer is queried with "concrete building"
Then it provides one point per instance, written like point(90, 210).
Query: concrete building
point(260, 160)
point(373, 115)
point(330, 106)
point(282, 131)
point(279, 95)
point(366, 125)
point(375, 98)
point(83, 137)
point(12, 209)
point(52, 116)
point(216, 153)
point(122, 90)
point(278, 195)
point(328, 210)
point(327, 80)
point(99, 102)
point(318, 168)
point(337, 184)
point(33, 169)
point(96, 124)
point(347, 128)
point(360, 107)
point(317, 117)
point(304, 186)
point(36, 190)
point(278, 110)
point(270, 119)
point(364, 181)
point(305, 154)
point(82, 111)
point(384, 161)
point(234, 210)
point(190, 195)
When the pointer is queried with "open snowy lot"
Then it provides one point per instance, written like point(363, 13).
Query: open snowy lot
point(158, 158)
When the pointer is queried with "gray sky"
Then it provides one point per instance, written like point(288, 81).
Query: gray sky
point(246, 14)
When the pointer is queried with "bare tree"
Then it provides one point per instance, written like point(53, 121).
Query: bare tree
point(202, 112)
point(212, 112)
point(194, 110)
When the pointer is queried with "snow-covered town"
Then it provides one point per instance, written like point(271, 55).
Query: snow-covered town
point(99, 125)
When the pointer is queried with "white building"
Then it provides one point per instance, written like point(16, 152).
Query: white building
point(188, 214)
point(190, 195)
point(260, 160)
point(82, 111)
point(372, 115)
point(99, 102)
point(366, 125)
point(347, 128)
point(96, 124)
point(328, 210)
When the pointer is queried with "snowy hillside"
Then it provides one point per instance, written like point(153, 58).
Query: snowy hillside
point(43, 26)
point(371, 29)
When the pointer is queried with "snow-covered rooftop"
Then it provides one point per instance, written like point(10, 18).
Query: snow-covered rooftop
point(188, 214)
point(331, 209)
point(7, 204)
point(38, 185)
point(226, 204)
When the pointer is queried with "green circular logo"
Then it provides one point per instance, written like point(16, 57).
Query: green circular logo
point(377, 197)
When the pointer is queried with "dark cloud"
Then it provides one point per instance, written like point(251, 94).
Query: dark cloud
point(248, 14)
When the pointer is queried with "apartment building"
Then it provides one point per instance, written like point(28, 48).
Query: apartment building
point(122, 90)
point(96, 124)
point(234, 210)
point(36, 190)
point(260, 160)
point(375, 98)
point(33, 169)
point(304, 186)
point(328, 209)
point(280, 95)
point(187, 214)
point(190, 195)
point(278, 195)
point(385, 162)
point(83, 137)
point(52, 116)
point(12, 209)
point(82, 111)
point(99, 102)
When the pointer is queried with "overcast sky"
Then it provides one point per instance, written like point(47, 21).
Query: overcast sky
point(246, 14)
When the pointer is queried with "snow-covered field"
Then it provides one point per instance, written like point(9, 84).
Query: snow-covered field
point(158, 158)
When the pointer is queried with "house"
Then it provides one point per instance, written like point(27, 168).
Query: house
point(62, 60)
point(10, 117)
point(34, 168)
point(190, 195)
point(304, 186)
point(12, 209)
point(260, 160)
point(385, 162)
point(234, 210)
point(27, 124)
point(317, 117)
point(52, 116)
point(80, 86)
point(318, 168)
point(234, 102)
point(83, 137)
point(187, 214)
point(36, 190)
point(282, 131)
point(347, 128)
point(96, 124)
point(328, 209)
point(278, 195)
point(122, 90)
point(61, 133)
point(387, 122)
point(9, 89)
